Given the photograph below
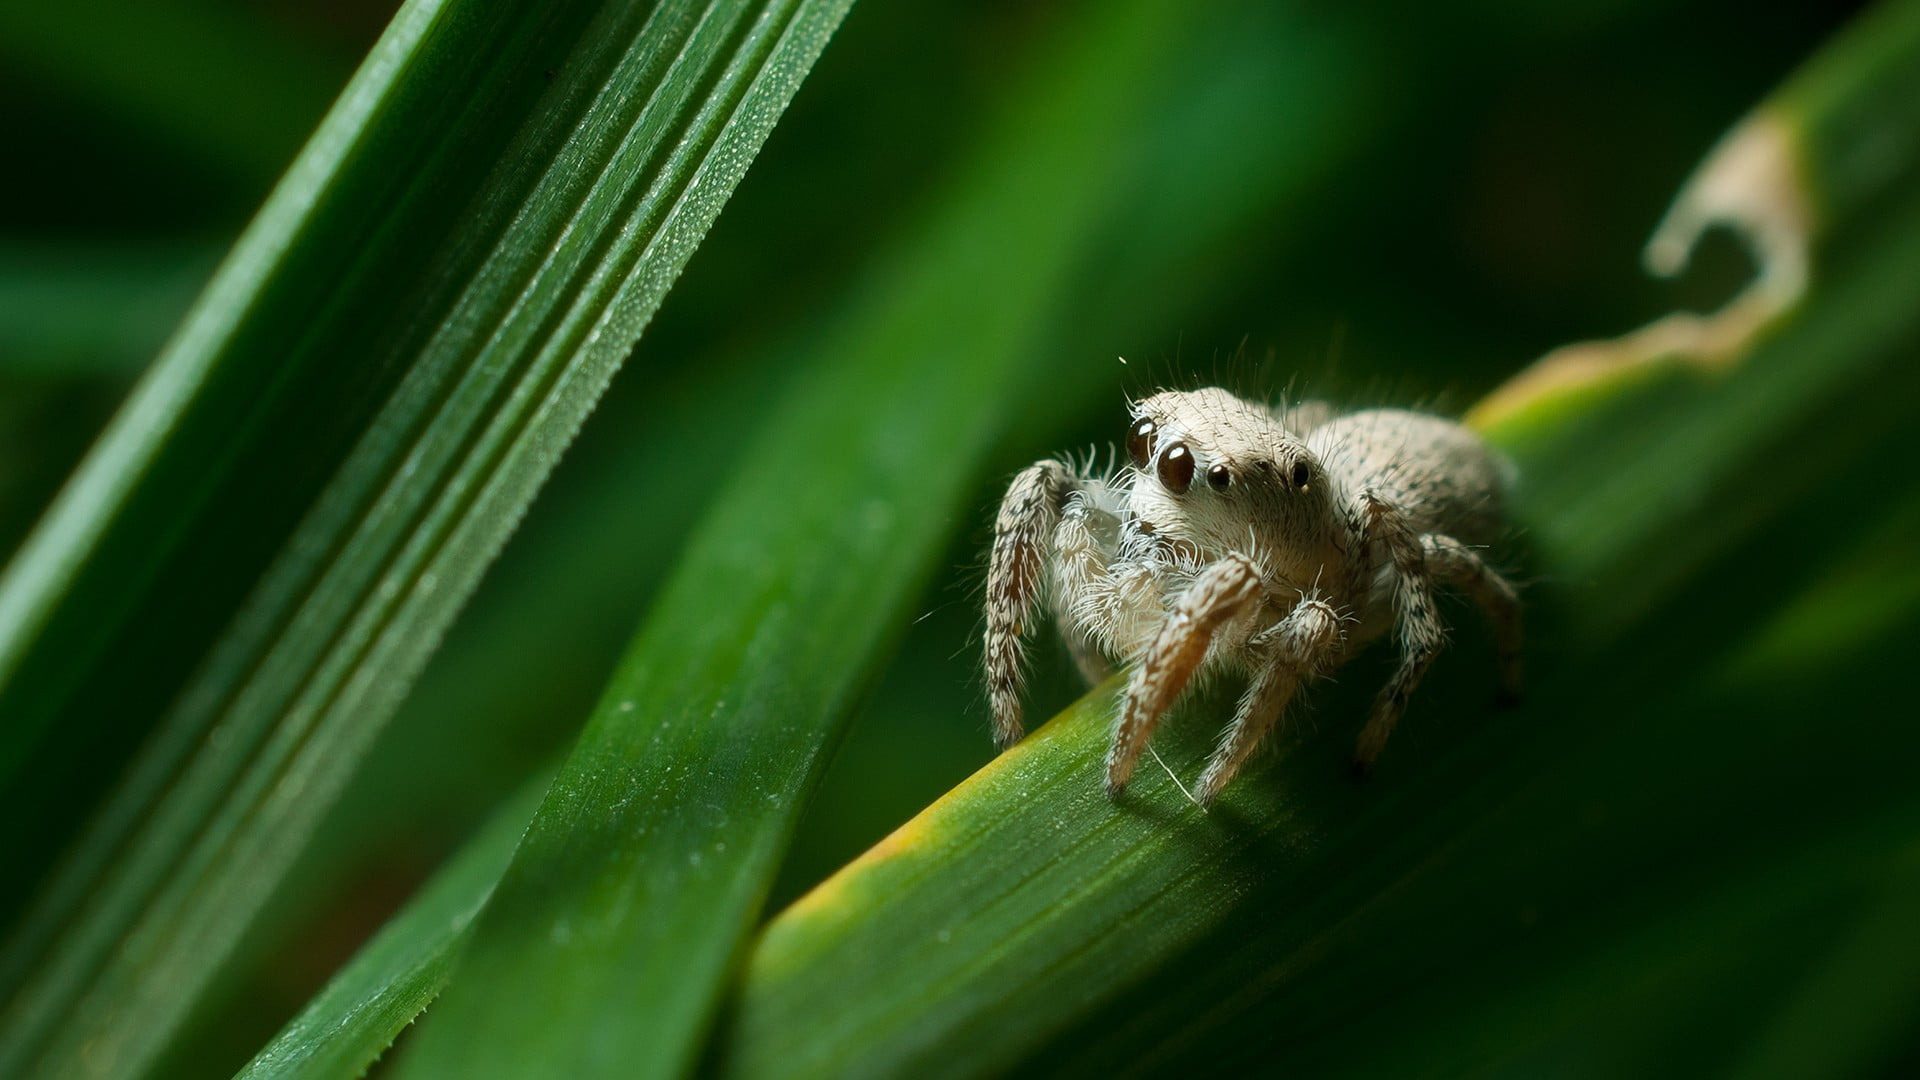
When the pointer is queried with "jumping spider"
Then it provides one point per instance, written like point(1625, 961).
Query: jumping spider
point(1275, 543)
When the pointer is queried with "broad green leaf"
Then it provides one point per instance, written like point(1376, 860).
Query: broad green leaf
point(1706, 910)
point(1307, 922)
point(638, 880)
point(278, 526)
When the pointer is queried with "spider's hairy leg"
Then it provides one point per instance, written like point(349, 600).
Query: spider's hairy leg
point(1224, 591)
point(1303, 642)
point(1421, 632)
point(1024, 527)
point(1454, 563)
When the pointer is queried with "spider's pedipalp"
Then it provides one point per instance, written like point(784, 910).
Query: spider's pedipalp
point(1224, 591)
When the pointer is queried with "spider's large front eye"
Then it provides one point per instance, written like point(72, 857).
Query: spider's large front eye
point(1176, 468)
point(1139, 441)
point(1301, 474)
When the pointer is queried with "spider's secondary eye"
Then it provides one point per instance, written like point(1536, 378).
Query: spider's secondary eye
point(1301, 474)
point(1139, 441)
point(1218, 478)
point(1176, 468)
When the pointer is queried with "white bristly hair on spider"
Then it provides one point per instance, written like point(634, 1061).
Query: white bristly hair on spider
point(1269, 542)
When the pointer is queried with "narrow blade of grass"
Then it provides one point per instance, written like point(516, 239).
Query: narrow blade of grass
point(393, 977)
point(375, 384)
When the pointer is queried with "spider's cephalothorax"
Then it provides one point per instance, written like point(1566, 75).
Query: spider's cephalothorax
point(1271, 542)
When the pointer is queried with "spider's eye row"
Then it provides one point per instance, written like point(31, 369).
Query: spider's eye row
point(1301, 474)
point(1139, 441)
point(1218, 478)
point(1176, 468)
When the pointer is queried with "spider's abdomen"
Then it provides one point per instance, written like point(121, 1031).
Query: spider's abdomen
point(1438, 473)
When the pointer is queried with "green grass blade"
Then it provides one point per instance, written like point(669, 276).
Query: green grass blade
point(393, 977)
point(1024, 920)
point(1855, 109)
point(375, 384)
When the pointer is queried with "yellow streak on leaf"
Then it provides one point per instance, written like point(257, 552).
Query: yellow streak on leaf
point(1752, 183)
point(824, 898)
point(924, 830)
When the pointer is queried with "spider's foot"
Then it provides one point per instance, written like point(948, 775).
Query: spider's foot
point(1119, 772)
point(1006, 734)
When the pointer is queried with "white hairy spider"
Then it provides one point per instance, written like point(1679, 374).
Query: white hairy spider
point(1273, 543)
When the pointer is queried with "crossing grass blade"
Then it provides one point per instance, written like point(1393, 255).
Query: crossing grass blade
point(346, 1028)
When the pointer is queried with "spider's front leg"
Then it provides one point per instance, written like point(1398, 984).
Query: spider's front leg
point(1222, 592)
point(1422, 634)
point(1297, 647)
point(1021, 533)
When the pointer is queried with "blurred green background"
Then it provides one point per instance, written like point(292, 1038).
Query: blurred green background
point(1479, 194)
